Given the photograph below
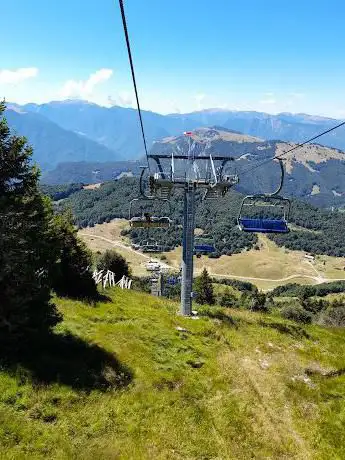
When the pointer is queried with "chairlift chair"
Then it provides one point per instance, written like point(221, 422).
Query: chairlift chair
point(150, 245)
point(146, 219)
point(269, 212)
point(204, 245)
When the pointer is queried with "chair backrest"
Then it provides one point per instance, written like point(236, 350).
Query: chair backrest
point(204, 247)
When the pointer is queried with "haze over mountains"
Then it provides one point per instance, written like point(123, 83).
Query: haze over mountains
point(116, 133)
point(77, 141)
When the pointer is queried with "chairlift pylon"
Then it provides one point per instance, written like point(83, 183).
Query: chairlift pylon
point(265, 223)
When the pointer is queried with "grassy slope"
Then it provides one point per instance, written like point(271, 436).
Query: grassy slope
point(251, 397)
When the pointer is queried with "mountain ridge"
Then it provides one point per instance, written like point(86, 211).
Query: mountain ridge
point(117, 127)
point(77, 133)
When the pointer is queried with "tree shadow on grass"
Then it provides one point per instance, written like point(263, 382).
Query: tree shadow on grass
point(68, 360)
point(91, 300)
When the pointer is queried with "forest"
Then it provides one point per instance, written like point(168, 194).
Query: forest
point(313, 229)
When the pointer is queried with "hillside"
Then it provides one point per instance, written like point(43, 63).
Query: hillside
point(314, 230)
point(74, 131)
point(122, 381)
point(117, 127)
point(313, 172)
point(89, 172)
point(53, 144)
point(267, 266)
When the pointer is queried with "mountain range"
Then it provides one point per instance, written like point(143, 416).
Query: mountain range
point(76, 141)
point(76, 130)
point(313, 172)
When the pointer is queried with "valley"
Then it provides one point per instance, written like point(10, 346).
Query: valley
point(267, 267)
point(84, 142)
point(172, 230)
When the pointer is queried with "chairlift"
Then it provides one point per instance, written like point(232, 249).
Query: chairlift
point(204, 245)
point(265, 213)
point(171, 280)
point(150, 245)
point(146, 219)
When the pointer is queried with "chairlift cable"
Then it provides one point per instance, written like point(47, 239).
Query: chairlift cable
point(124, 22)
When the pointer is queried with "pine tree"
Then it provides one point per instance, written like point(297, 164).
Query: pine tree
point(204, 289)
point(26, 252)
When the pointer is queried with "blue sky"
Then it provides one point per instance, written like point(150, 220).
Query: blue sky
point(272, 56)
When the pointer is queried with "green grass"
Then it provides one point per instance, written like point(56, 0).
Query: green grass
point(121, 382)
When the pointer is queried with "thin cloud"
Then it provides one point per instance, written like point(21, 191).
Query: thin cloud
point(123, 99)
point(297, 95)
point(199, 98)
point(13, 77)
point(268, 101)
point(85, 88)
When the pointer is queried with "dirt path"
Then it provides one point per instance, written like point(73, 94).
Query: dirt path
point(127, 248)
point(318, 278)
point(278, 280)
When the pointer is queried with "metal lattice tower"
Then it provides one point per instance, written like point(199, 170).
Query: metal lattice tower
point(188, 248)
point(215, 184)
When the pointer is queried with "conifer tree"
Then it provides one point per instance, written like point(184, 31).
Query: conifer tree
point(204, 289)
point(26, 252)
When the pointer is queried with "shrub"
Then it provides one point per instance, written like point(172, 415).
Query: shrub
point(141, 284)
point(314, 305)
point(228, 299)
point(296, 312)
point(258, 302)
point(114, 262)
point(334, 315)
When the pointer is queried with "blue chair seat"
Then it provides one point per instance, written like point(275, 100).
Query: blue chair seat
point(263, 225)
point(204, 248)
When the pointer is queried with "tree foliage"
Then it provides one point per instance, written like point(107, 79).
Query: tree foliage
point(59, 192)
point(303, 292)
point(26, 253)
point(204, 289)
point(316, 230)
point(115, 262)
point(72, 272)
point(228, 299)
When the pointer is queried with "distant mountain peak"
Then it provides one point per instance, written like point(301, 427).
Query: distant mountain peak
point(73, 102)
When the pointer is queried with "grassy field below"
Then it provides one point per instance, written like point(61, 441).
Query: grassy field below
point(129, 379)
point(267, 267)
